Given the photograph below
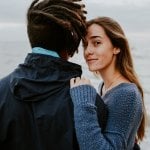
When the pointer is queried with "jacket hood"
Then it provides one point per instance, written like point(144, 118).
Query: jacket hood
point(41, 76)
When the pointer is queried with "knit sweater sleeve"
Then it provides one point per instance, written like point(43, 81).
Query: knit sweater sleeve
point(88, 131)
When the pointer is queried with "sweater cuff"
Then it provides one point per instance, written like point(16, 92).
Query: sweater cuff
point(83, 95)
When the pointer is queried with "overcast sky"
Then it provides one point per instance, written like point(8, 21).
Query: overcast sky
point(133, 15)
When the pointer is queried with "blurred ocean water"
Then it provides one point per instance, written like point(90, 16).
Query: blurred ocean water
point(13, 53)
point(131, 14)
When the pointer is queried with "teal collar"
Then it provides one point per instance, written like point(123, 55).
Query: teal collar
point(40, 50)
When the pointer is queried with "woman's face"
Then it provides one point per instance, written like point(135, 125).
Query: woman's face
point(99, 52)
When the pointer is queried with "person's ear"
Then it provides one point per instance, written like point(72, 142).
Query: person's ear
point(116, 51)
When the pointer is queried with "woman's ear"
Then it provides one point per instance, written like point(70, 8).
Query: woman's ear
point(116, 51)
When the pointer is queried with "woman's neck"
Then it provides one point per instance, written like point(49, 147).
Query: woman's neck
point(108, 74)
point(111, 79)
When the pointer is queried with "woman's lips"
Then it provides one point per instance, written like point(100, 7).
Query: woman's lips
point(91, 60)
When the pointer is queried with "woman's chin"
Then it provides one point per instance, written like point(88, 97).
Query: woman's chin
point(92, 69)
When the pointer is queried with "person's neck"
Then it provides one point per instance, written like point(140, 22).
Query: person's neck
point(110, 78)
point(64, 55)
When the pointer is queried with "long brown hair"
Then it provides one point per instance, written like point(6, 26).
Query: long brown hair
point(124, 61)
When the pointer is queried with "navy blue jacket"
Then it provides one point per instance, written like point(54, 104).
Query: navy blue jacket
point(36, 111)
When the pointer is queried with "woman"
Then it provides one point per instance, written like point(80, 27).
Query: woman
point(107, 53)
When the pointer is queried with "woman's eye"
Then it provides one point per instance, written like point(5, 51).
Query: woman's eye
point(97, 43)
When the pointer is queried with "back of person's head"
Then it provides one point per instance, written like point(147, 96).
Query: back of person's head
point(57, 25)
point(124, 61)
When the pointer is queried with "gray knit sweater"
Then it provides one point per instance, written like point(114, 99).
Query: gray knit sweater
point(125, 112)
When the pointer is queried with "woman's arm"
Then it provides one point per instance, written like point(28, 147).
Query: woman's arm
point(88, 131)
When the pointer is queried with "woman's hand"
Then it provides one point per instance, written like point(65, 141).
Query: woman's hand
point(79, 81)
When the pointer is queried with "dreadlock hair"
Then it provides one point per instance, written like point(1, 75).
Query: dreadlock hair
point(56, 25)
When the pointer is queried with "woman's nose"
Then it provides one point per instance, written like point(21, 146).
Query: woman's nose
point(89, 49)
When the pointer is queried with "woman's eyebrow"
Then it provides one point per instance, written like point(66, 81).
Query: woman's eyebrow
point(95, 36)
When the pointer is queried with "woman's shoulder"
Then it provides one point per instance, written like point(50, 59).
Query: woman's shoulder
point(124, 93)
point(125, 88)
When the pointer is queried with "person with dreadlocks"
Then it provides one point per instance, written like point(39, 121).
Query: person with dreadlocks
point(36, 111)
